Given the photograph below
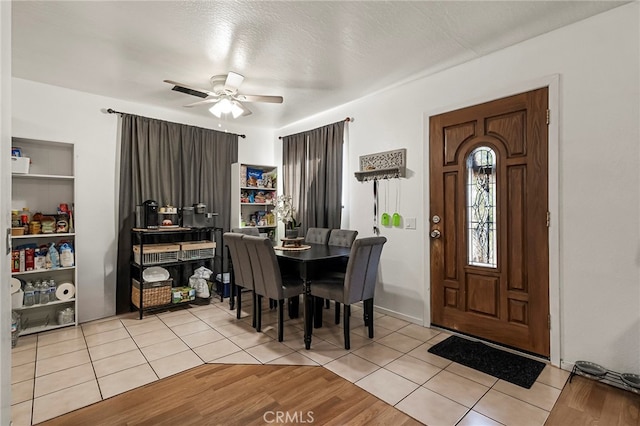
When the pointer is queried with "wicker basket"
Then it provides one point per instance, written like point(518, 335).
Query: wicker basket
point(193, 250)
point(155, 254)
point(153, 294)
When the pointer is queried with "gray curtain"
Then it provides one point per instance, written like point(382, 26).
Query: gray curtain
point(312, 163)
point(170, 163)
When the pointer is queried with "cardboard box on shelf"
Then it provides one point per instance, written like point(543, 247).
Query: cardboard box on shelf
point(182, 294)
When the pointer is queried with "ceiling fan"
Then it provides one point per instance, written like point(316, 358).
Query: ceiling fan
point(223, 95)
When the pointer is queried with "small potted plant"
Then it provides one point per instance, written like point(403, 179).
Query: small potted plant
point(286, 213)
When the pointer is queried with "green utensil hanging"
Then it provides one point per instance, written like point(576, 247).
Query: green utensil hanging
point(396, 218)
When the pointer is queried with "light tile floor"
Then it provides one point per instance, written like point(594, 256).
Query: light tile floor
point(60, 371)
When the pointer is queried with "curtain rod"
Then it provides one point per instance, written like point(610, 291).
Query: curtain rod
point(113, 111)
point(348, 119)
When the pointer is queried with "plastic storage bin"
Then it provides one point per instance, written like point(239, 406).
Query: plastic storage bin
point(20, 164)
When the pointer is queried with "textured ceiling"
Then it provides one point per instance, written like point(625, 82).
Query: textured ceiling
point(316, 55)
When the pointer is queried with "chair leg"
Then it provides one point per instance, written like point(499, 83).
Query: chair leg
point(231, 294)
point(327, 303)
point(365, 312)
point(253, 320)
point(337, 313)
point(370, 315)
point(259, 314)
point(239, 301)
point(347, 314)
point(280, 320)
point(317, 312)
point(293, 307)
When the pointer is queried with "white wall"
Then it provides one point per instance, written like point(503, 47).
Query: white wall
point(51, 113)
point(599, 179)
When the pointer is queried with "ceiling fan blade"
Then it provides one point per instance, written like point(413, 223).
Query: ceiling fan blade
point(190, 90)
point(206, 101)
point(234, 80)
point(260, 98)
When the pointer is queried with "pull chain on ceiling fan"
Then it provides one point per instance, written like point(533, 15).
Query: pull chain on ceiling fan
point(224, 95)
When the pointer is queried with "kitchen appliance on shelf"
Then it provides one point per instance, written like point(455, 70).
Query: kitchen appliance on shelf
point(147, 215)
point(197, 216)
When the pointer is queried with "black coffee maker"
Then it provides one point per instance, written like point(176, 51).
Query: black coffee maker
point(147, 215)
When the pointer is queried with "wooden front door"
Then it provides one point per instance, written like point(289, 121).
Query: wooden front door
point(489, 221)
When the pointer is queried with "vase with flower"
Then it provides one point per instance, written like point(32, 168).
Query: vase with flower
point(285, 211)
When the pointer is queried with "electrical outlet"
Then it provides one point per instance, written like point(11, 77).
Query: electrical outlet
point(410, 223)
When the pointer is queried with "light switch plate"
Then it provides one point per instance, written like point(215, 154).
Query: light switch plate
point(410, 223)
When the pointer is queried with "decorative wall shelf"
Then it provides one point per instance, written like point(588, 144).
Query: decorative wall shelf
point(383, 165)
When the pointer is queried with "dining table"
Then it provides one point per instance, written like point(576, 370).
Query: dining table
point(305, 259)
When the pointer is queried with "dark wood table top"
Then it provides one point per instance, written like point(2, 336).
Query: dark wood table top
point(316, 252)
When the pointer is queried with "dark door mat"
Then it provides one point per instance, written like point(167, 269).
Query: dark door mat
point(513, 368)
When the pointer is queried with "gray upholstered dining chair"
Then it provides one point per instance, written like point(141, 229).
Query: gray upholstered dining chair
point(268, 280)
point(317, 236)
point(358, 283)
point(242, 272)
point(247, 231)
point(340, 238)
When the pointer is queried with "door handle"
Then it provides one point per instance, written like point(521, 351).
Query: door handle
point(435, 234)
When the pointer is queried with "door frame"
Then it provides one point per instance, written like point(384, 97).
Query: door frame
point(553, 84)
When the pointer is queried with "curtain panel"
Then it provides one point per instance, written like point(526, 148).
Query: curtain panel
point(312, 163)
point(170, 163)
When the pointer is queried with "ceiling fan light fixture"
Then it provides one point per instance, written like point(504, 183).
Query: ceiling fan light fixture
point(223, 106)
point(223, 98)
point(236, 109)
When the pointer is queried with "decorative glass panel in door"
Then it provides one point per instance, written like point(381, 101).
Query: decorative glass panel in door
point(481, 207)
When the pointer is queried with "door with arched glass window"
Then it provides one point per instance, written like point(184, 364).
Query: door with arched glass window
point(489, 223)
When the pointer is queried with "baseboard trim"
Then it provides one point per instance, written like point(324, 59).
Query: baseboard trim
point(398, 315)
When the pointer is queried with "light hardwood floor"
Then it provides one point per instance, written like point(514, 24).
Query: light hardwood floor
point(223, 394)
point(588, 402)
point(255, 394)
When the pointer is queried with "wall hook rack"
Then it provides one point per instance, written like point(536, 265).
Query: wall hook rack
point(383, 165)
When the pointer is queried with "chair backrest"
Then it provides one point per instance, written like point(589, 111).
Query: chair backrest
point(342, 237)
point(264, 264)
point(240, 259)
point(317, 236)
point(247, 231)
point(362, 269)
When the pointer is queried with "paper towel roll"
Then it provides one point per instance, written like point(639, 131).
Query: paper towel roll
point(65, 291)
point(15, 285)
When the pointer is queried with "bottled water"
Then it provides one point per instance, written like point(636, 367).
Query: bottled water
point(29, 294)
point(44, 292)
point(37, 292)
point(52, 290)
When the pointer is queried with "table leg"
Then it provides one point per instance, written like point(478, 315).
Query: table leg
point(308, 307)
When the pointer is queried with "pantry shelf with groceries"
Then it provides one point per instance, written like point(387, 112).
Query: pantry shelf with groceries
point(254, 192)
point(43, 237)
